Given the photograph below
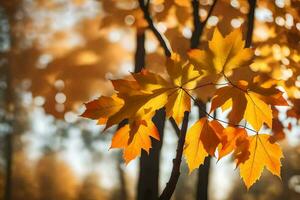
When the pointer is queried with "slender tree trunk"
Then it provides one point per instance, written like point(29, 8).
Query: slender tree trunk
point(122, 179)
point(8, 57)
point(8, 166)
point(203, 180)
point(204, 170)
point(9, 135)
point(171, 184)
point(140, 52)
point(148, 182)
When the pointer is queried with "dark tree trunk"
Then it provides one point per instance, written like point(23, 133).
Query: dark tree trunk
point(148, 183)
point(8, 166)
point(8, 58)
point(123, 189)
point(171, 184)
point(140, 52)
point(203, 171)
point(203, 180)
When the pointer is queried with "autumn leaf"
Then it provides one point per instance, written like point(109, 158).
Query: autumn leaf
point(223, 54)
point(183, 77)
point(139, 107)
point(155, 92)
point(241, 152)
point(246, 104)
point(263, 153)
point(140, 139)
point(102, 108)
point(229, 139)
point(278, 132)
point(202, 140)
point(141, 96)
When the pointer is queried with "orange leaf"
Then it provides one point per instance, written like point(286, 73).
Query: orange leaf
point(241, 151)
point(140, 139)
point(230, 139)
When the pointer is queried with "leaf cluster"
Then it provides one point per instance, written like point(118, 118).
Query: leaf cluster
point(250, 101)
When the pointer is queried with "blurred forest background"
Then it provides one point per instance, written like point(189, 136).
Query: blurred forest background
point(57, 54)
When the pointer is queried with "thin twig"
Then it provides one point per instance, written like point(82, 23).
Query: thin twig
point(209, 13)
point(251, 14)
point(174, 124)
point(170, 187)
point(198, 25)
point(145, 8)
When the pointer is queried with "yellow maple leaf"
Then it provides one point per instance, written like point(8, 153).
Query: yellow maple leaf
point(155, 92)
point(142, 96)
point(202, 139)
point(263, 153)
point(183, 77)
point(223, 55)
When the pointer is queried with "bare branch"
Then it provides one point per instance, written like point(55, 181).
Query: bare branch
point(144, 8)
point(198, 25)
point(170, 187)
point(209, 13)
point(176, 128)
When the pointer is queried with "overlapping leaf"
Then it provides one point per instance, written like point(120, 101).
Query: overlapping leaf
point(202, 139)
point(138, 98)
point(141, 97)
point(234, 140)
point(247, 103)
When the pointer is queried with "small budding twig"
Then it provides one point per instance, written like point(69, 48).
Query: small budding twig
point(170, 187)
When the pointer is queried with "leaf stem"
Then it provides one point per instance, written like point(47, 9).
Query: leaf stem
point(206, 84)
